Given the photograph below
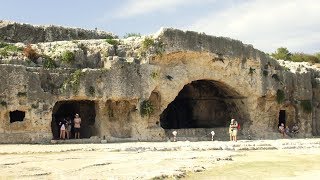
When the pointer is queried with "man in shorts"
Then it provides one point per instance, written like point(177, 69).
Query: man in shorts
point(77, 123)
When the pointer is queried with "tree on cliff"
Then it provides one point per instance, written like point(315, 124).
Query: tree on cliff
point(282, 53)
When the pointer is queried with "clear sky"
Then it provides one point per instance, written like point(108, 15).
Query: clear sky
point(266, 24)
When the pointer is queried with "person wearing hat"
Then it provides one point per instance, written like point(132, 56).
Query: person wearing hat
point(77, 123)
point(233, 130)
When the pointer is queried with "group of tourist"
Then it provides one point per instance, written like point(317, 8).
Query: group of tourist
point(66, 127)
point(285, 130)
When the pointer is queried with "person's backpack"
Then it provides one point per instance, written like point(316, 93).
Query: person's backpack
point(238, 126)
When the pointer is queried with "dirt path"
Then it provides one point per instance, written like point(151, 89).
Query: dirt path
point(161, 160)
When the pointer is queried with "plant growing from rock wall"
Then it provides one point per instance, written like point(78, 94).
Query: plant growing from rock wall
point(6, 49)
point(30, 53)
point(34, 106)
point(3, 103)
point(68, 57)
point(91, 90)
point(22, 94)
point(252, 70)
point(154, 75)
point(113, 42)
point(147, 43)
point(265, 73)
point(275, 77)
point(306, 106)
point(169, 77)
point(160, 48)
point(48, 62)
point(73, 82)
point(146, 108)
point(280, 96)
point(4, 53)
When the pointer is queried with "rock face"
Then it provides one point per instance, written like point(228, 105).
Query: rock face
point(141, 88)
point(16, 32)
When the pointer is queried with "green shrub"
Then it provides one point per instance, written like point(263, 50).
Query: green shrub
point(147, 43)
point(280, 96)
point(132, 35)
point(6, 48)
point(48, 62)
point(302, 57)
point(283, 53)
point(112, 42)
point(306, 106)
point(67, 57)
point(3, 44)
point(146, 108)
point(4, 53)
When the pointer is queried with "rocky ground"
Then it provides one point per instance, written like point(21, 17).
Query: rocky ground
point(145, 160)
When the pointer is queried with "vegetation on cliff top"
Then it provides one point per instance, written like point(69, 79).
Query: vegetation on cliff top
point(67, 57)
point(6, 49)
point(284, 54)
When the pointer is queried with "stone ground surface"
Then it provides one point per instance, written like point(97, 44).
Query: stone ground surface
point(160, 160)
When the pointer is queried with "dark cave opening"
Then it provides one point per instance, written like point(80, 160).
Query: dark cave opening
point(16, 116)
point(67, 109)
point(202, 104)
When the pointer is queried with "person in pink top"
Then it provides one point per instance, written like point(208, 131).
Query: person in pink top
point(77, 123)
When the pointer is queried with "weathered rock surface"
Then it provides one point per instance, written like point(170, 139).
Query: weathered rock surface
point(134, 88)
point(17, 32)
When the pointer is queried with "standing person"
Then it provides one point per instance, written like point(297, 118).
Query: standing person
point(233, 130)
point(287, 131)
point(77, 123)
point(282, 130)
point(68, 127)
point(62, 129)
point(295, 129)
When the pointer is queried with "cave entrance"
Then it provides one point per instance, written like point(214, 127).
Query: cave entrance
point(282, 117)
point(203, 104)
point(67, 109)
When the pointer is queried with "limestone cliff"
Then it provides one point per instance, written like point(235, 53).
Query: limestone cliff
point(140, 88)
